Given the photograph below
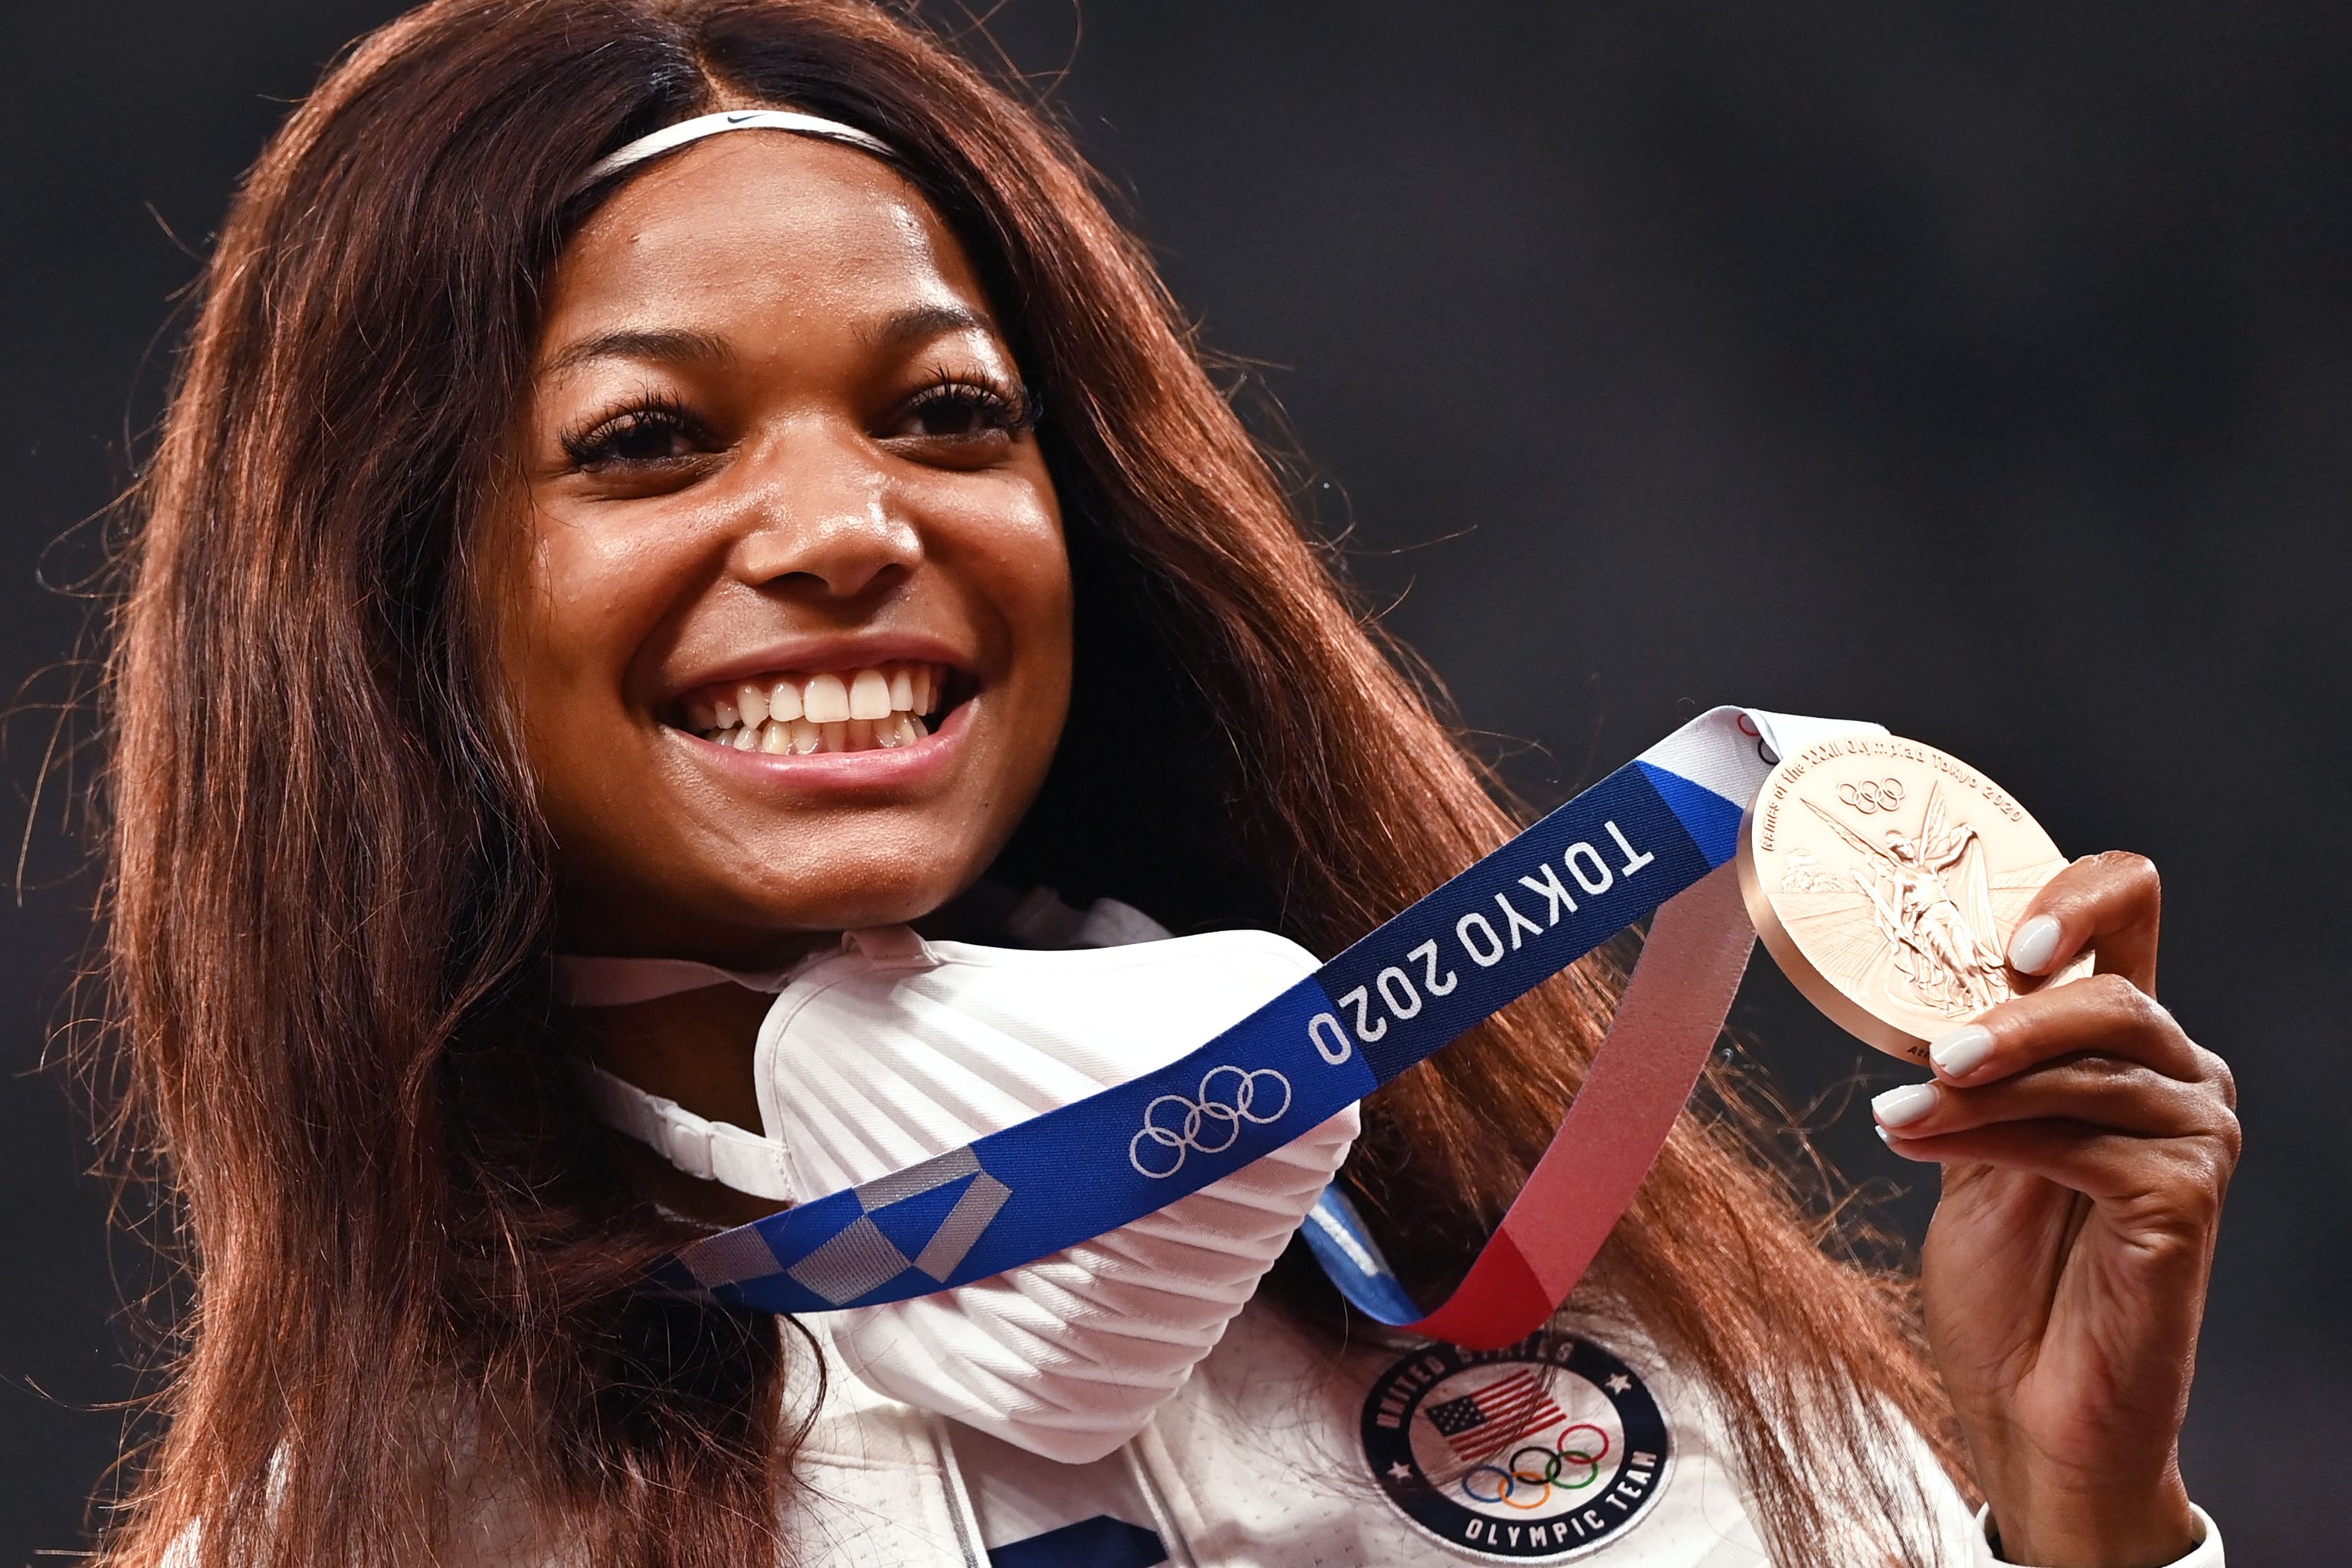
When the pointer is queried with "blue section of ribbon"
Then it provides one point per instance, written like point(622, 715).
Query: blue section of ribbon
point(1516, 918)
point(1712, 821)
point(1336, 1233)
point(1077, 1172)
point(1605, 859)
point(911, 1222)
point(1101, 1542)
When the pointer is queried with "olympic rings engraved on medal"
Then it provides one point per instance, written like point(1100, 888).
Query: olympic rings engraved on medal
point(1872, 794)
point(1228, 1096)
point(1552, 1466)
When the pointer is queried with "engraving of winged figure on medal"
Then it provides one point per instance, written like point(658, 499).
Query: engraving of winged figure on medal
point(1886, 878)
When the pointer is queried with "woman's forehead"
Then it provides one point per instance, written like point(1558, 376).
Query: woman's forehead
point(757, 232)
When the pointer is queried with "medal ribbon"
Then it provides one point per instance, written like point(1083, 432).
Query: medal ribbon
point(1654, 838)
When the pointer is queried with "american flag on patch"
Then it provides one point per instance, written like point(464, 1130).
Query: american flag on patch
point(1482, 1422)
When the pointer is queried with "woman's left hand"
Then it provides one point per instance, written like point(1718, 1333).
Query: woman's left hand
point(2086, 1143)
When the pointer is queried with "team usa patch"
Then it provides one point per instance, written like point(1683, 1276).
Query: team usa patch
point(1537, 1453)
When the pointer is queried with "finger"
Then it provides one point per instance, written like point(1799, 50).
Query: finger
point(2181, 1179)
point(2104, 1013)
point(2096, 1090)
point(2112, 903)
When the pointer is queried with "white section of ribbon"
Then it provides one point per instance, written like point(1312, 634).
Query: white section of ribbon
point(1787, 733)
point(1730, 751)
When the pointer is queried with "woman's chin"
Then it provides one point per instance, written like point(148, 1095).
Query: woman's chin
point(855, 894)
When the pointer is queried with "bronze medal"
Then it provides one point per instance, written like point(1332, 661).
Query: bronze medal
point(1886, 878)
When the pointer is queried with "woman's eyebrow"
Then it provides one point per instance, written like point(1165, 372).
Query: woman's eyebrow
point(667, 346)
point(904, 327)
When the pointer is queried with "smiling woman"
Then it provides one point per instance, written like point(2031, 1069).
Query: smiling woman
point(761, 556)
point(777, 469)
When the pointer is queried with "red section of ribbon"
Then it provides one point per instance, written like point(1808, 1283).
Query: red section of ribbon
point(1640, 1078)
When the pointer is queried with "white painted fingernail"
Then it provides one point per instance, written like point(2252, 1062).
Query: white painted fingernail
point(2034, 945)
point(1883, 1135)
point(1901, 1107)
point(1962, 1051)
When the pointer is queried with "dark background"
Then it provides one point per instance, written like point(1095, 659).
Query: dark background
point(1984, 374)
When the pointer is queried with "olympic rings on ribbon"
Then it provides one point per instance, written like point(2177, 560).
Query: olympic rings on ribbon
point(1872, 795)
point(1548, 1471)
point(1228, 1096)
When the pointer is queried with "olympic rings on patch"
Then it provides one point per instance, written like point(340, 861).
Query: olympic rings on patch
point(1520, 1476)
point(1591, 1459)
point(1551, 1467)
point(1872, 794)
point(1228, 1096)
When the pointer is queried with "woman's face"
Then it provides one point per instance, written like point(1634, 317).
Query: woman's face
point(787, 616)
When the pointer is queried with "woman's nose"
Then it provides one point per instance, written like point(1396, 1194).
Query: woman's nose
point(819, 517)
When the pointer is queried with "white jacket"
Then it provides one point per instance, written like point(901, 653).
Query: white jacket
point(1283, 1452)
point(1277, 1450)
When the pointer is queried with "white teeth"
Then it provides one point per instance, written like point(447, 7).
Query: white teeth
point(869, 695)
point(880, 705)
point(826, 700)
point(798, 737)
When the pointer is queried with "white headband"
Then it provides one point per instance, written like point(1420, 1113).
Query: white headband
point(671, 137)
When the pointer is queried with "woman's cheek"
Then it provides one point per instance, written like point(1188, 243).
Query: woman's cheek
point(590, 597)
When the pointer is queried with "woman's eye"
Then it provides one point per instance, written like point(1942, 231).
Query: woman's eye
point(642, 437)
point(959, 410)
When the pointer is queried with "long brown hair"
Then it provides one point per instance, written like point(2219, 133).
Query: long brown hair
point(328, 893)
